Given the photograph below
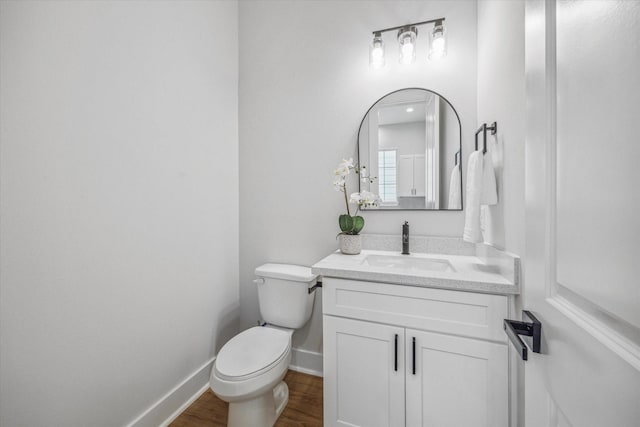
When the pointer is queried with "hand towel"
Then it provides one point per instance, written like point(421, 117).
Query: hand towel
point(455, 189)
point(489, 187)
point(472, 232)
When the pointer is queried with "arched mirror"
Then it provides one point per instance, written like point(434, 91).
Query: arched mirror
point(410, 143)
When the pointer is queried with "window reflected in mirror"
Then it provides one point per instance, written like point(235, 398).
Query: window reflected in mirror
point(387, 176)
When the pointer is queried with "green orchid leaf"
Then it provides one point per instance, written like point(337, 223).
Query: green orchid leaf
point(358, 224)
point(346, 223)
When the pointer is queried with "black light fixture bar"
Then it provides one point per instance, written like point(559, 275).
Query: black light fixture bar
point(430, 21)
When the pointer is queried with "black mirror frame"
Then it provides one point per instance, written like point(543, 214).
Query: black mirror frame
point(460, 151)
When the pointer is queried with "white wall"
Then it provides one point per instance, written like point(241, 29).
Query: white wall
point(501, 98)
point(407, 138)
point(119, 190)
point(305, 84)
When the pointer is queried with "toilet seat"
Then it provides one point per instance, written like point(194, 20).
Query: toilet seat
point(252, 353)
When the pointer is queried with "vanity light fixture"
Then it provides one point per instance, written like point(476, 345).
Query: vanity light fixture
point(409, 110)
point(407, 42)
point(376, 51)
point(407, 36)
point(437, 42)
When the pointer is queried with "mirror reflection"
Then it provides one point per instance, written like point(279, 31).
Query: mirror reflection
point(409, 141)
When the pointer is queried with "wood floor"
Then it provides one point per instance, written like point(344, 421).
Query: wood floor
point(304, 407)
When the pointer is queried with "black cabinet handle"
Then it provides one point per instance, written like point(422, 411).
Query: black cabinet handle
point(395, 360)
point(515, 328)
point(413, 351)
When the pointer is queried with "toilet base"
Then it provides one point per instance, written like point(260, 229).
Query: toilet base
point(261, 411)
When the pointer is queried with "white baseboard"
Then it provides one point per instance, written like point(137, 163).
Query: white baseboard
point(172, 404)
point(305, 361)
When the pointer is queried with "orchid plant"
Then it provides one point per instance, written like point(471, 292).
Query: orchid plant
point(353, 224)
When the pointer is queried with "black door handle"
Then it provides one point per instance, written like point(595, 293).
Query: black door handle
point(395, 359)
point(413, 351)
point(515, 328)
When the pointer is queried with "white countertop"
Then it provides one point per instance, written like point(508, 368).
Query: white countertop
point(470, 273)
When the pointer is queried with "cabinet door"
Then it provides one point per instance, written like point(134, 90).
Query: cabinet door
point(405, 176)
point(419, 175)
point(457, 381)
point(363, 373)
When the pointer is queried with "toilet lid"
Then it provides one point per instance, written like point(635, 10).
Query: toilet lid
point(252, 351)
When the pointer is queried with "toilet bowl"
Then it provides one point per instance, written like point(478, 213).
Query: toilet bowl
point(249, 369)
point(248, 374)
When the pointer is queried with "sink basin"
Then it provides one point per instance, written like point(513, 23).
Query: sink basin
point(407, 262)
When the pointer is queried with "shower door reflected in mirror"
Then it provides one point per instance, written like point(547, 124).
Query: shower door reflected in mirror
point(409, 141)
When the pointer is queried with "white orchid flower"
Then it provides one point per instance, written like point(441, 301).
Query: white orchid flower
point(338, 183)
point(365, 199)
point(344, 168)
point(348, 163)
point(369, 199)
point(342, 171)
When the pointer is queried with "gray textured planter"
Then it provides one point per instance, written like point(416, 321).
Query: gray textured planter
point(350, 244)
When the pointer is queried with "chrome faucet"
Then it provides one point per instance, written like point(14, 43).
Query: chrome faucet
point(405, 238)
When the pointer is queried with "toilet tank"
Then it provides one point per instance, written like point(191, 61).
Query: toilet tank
point(283, 294)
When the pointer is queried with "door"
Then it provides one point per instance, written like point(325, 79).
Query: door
point(363, 373)
point(581, 264)
point(455, 381)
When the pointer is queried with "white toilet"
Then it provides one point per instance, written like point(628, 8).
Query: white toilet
point(249, 369)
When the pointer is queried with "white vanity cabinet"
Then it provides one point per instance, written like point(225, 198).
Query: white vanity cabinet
point(398, 355)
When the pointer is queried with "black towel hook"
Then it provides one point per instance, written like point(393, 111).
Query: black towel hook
point(484, 128)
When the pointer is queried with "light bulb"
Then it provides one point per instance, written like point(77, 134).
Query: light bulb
point(407, 41)
point(409, 110)
point(437, 42)
point(407, 48)
point(376, 52)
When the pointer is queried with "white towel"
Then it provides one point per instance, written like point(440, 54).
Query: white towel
point(489, 188)
point(472, 232)
point(455, 189)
